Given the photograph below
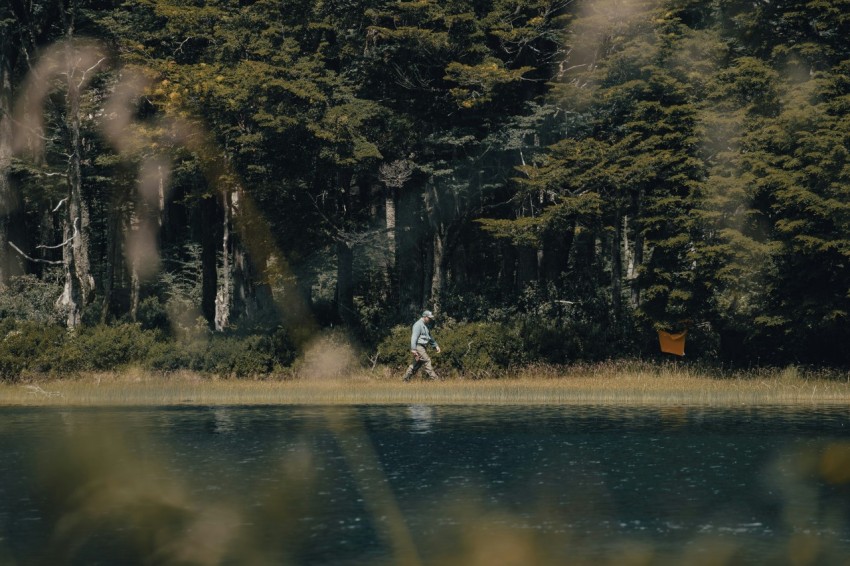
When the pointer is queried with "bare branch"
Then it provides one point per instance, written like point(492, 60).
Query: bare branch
point(83, 78)
point(43, 247)
point(182, 43)
point(35, 259)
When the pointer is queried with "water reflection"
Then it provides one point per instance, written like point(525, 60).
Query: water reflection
point(423, 484)
point(421, 416)
point(222, 421)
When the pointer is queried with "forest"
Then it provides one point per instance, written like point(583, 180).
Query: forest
point(210, 184)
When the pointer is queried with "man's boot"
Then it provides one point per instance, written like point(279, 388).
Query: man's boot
point(408, 374)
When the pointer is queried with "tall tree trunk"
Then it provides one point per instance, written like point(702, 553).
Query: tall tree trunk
point(393, 175)
point(249, 297)
point(113, 231)
point(10, 263)
point(426, 275)
point(207, 212)
point(224, 297)
point(392, 267)
point(460, 265)
point(390, 200)
point(6, 200)
point(439, 261)
point(507, 271)
point(246, 301)
point(637, 256)
point(345, 282)
point(72, 296)
point(135, 278)
point(636, 259)
point(79, 283)
point(556, 249)
point(617, 263)
point(345, 250)
point(526, 266)
point(409, 256)
point(445, 243)
point(77, 64)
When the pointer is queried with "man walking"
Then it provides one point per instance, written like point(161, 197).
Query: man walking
point(419, 339)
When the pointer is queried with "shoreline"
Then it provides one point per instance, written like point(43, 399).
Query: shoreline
point(624, 388)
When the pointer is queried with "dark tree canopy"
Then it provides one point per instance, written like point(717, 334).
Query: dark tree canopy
point(580, 173)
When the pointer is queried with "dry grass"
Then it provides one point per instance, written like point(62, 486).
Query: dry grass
point(612, 383)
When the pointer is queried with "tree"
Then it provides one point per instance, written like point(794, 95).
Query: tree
point(8, 55)
point(459, 73)
point(75, 63)
point(625, 174)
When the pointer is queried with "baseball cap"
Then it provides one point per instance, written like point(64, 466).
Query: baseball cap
point(429, 314)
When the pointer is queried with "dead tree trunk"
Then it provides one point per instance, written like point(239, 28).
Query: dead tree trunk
point(79, 283)
point(135, 278)
point(390, 200)
point(224, 297)
point(249, 297)
point(636, 256)
point(394, 175)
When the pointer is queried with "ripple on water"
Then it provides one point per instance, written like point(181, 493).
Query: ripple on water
point(339, 484)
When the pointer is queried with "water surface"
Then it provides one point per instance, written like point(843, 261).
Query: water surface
point(423, 484)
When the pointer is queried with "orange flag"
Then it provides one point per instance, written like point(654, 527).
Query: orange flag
point(672, 343)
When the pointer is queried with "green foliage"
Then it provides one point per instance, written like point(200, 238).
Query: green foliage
point(473, 350)
point(480, 349)
point(581, 174)
point(27, 346)
point(27, 297)
point(476, 83)
point(226, 356)
point(152, 314)
point(102, 348)
point(394, 350)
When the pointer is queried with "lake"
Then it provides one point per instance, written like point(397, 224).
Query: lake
point(424, 485)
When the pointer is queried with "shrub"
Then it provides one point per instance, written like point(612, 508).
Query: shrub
point(43, 348)
point(166, 356)
point(550, 342)
point(236, 356)
point(394, 350)
point(28, 346)
point(473, 348)
point(102, 347)
point(251, 355)
point(27, 297)
point(477, 348)
point(152, 314)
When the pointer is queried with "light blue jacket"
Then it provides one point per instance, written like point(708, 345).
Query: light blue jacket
point(421, 336)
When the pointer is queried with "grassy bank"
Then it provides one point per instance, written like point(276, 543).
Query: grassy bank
point(591, 384)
